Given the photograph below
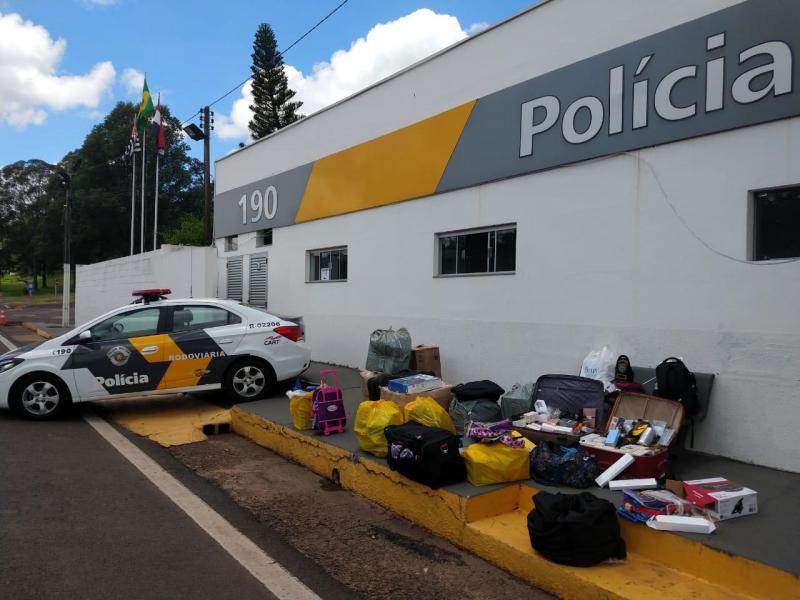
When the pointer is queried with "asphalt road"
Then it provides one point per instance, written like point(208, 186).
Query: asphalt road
point(77, 520)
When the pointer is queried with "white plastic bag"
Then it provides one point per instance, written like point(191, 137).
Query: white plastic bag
point(599, 364)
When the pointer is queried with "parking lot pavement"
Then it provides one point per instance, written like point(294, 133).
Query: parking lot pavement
point(78, 521)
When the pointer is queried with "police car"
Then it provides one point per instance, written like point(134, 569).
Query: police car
point(155, 346)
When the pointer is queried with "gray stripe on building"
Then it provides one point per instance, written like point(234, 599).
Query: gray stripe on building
point(490, 146)
point(289, 187)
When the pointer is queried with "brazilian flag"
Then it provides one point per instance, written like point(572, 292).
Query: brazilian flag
point(146, 108)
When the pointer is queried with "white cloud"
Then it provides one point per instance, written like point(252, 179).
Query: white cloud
point(99, 2)
point(386, 49)
point(133, 80)
point(29, 83)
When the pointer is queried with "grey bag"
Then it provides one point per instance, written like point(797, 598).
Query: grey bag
point(462, 412)
point(389, 350)
point(517, 400)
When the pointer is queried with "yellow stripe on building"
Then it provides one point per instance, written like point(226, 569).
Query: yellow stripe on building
point(405, 164)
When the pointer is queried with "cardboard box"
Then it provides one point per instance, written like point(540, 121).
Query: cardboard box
point(365, 377)
point(721, 498)
point(426, 358)
point(442, 395)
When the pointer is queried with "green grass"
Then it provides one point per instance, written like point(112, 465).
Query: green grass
point(12, 289)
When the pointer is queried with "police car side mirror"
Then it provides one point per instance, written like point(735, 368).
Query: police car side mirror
point(84, 336)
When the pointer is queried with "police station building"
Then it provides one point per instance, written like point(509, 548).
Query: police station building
point(584, 173)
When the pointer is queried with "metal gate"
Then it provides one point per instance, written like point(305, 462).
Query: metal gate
point(257, 295)
point(235, 278)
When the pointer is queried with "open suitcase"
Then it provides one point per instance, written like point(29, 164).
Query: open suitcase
point(567, 392)
point(651, 408)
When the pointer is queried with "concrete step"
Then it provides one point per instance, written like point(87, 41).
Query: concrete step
point(493, 525)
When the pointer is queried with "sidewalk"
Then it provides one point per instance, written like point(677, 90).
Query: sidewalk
point(749, 556)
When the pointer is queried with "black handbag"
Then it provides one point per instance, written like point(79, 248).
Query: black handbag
point(580, 530)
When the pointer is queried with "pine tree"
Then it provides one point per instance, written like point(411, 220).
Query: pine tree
point(272, 106)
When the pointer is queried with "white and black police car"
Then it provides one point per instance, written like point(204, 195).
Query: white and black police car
point(155, 346)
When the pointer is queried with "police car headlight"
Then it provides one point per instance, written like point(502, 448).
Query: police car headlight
point(8, 364)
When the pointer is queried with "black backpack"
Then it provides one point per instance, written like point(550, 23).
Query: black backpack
point(575, 529)
point(428, 455)
point(676, 382)
point(624, 371)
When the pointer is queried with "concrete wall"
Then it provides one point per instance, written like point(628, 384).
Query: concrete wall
point(188, 271)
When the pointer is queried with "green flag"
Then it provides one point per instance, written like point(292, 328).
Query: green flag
point(146, 108)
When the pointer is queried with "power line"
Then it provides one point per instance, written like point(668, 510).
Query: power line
point(279, 56)
point(691, 230)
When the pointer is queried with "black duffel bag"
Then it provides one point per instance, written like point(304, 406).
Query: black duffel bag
point(428, 455)
point(580, 530)
point(478, 390)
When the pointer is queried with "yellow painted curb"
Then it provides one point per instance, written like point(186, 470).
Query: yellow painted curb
point(493, 526)
point(38, 331)
point(167, 420)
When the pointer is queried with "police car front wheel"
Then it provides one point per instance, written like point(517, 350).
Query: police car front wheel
point(40, 396)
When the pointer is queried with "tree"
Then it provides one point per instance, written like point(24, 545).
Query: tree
point(31, 210)
point(272, 105)
point(32, 200)
point(101, 189)
point(188, 233)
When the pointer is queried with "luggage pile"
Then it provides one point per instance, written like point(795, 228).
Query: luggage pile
point(598, 428)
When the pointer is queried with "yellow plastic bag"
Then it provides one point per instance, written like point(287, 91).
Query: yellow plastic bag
point(426, 411)
point(496, 463)
point(371, 419)
point(300, 408)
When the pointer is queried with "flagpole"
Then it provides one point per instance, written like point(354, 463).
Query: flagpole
point(144, 155)
point(155, 214)
point(133, 196)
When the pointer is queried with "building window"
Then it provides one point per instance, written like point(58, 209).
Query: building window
point(776, 223)
point(264, 237)
point(329, 264)
point(231, 243)
point(485, 250)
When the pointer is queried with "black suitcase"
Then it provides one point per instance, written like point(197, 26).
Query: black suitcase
point(428, 455)
point(572, 394)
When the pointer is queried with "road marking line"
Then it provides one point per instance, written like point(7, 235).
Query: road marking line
point(7, 343)
point(272, 575)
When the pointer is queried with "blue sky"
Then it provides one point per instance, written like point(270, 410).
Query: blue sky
point(195, 51)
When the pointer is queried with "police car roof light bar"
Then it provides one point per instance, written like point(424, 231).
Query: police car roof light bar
point(150, 295)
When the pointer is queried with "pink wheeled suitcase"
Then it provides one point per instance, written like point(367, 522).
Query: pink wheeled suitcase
point(327, 407)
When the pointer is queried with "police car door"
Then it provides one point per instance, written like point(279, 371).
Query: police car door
point(203, 338)
point(124, 354)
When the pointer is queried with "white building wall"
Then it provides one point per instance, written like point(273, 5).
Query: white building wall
point(190, 272)
point(601, 256)
point(601, 259)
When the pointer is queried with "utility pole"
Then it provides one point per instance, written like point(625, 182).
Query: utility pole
point(67, 258)
point(66, 183)
point(206, 124)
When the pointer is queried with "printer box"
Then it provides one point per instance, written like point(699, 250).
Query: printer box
point(721, 498)
point(415, 384)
